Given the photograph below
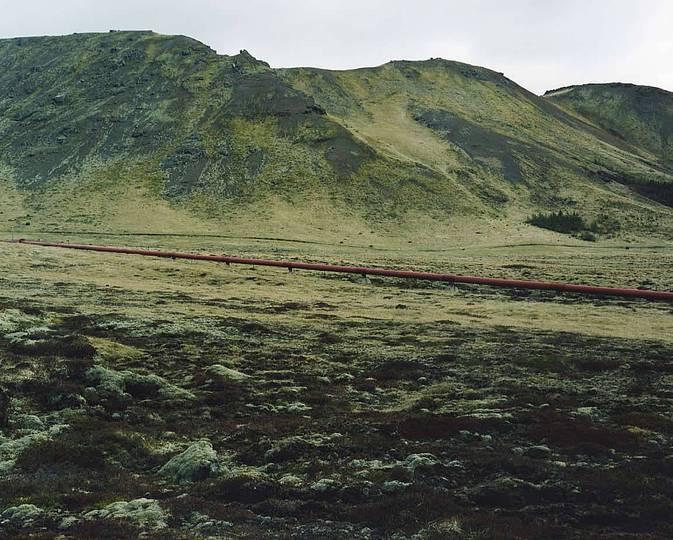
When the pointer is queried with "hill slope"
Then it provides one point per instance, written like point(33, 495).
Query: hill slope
point(640, 115)
point(134, 131)
point(513, 149)
point(92, 124)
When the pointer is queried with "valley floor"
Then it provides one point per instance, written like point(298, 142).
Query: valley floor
point(189, 400)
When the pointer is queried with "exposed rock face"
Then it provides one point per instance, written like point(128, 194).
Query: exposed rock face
point(325, 485)
point(421, 460)
point(145, 513)
point(196, 463)
point(30, 422)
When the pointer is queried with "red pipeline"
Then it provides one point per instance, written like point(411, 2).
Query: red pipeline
point(387, 272)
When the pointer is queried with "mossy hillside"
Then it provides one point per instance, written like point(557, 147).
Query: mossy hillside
point(507, 146)
point(134, 131)
point(225, 127)
point(641, 115)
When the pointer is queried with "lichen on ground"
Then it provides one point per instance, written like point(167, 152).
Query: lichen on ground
point(256, 404)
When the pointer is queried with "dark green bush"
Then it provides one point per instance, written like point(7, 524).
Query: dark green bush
point(573, 223)
point(587, 236)
point(567, 223)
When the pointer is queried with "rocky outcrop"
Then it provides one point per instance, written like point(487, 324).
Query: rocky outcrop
point(124, 384)
point(218, 371)
point(196, 463)
point(146, 513)
point(20, 516)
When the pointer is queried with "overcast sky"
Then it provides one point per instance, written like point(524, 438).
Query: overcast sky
point(540, 44)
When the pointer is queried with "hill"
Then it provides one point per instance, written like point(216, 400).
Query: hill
point(642, 116)
point(135, 131)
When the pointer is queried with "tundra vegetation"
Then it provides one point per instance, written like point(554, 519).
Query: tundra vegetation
point(177, 399)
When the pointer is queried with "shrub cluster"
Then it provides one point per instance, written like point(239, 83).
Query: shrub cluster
point(570, 223)
point(574, 223)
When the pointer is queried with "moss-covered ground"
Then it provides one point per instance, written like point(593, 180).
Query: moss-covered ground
point(336, 408)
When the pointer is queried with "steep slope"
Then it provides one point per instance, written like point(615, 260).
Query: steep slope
point(135, 131)
point(508, 145)
point(91, 124)
point(642, 116)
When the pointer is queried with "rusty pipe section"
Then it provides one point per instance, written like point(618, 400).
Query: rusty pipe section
point(387, 272)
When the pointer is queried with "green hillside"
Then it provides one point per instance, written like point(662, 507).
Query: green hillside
point(99, 128)
point(135, 131)
point(641, 116)
point(514, 150)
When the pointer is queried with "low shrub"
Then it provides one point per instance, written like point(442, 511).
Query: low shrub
point(573, 223)
point(566, 223)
